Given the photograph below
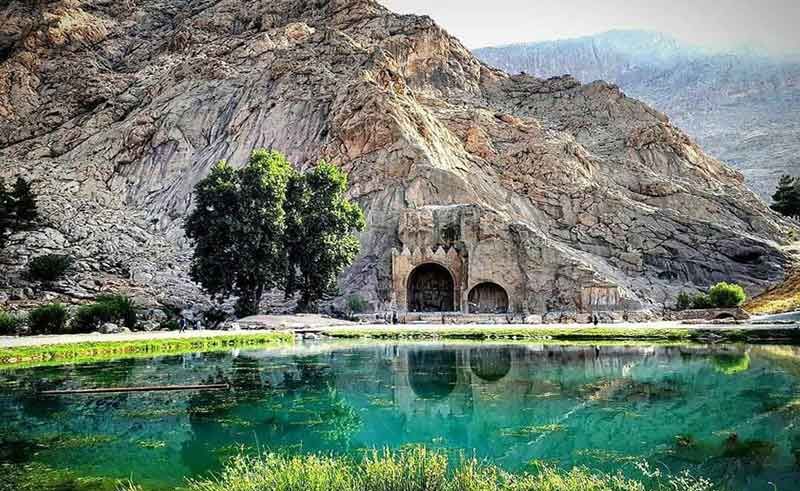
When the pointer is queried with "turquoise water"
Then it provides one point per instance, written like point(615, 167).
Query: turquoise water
point(728, 413)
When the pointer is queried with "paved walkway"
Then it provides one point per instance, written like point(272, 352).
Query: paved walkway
point(8, 342)
point(618, 325)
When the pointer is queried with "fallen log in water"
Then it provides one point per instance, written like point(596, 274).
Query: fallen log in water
point(157, 388)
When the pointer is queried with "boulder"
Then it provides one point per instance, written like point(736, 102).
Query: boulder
point(111, 328)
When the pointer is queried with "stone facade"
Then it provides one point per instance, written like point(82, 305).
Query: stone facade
point(600, 297)
point(475, 253)
point(406, 262)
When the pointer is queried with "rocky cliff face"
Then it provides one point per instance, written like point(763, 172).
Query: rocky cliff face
point(741, 107)
point(116, 109)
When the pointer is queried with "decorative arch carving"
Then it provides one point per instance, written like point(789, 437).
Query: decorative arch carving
point(406, 262)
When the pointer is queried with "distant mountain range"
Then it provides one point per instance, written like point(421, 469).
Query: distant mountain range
point(741, 106)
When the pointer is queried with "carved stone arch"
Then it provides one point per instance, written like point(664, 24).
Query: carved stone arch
point(488, 297)
point(431, 287)
point(405, 266)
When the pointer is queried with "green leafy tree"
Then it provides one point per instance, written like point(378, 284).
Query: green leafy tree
point(726, 295)
point(787, 196)
point(320, 226)
point(238, 228)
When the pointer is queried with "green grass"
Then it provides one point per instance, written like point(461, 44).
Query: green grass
point(418, 469)
point(27, 356)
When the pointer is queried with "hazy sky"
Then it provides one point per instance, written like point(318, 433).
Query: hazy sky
point(769, 24)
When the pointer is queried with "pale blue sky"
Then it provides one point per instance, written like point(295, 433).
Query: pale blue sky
point(770, 24)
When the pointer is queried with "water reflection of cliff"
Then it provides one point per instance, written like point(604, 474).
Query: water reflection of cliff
point(491, 398)
point(427, 377)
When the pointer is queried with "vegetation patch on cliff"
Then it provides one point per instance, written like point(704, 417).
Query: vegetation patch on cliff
point(783, 298)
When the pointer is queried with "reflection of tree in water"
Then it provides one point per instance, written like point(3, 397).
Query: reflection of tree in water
point(731, 363)
point(112, 374)
point(269, 415)
point(432, 374)
point(34, 421)
point(490, 364)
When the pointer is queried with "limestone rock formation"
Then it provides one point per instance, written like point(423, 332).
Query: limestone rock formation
point(564, 193)
point(740, 105)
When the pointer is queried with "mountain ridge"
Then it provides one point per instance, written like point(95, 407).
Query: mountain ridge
point(547, 187)
point(739, 105)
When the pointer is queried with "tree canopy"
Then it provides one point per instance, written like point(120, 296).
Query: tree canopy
point(787, 196)
point(320, 243)
point(266, 226)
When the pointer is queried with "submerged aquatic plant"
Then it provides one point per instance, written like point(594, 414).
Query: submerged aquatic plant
point(341, 420)
point(151, 444)
point(731, 363)
point(35, 476)
point(70, 440)
point(532, 430)
point(754, 451)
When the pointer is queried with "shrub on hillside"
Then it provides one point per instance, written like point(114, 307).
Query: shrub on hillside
point(91, 316)
point(10, 324)
point(356, 304)
point(123, 307)
point(683, 302)
point(701, 301)
point(725, 295)
point(49, 267)
point(48, 319)
point(118, 309)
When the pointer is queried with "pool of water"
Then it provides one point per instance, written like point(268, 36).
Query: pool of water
point(729, 413)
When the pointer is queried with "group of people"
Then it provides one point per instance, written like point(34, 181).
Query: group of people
point(389, 318)
point(184, 323)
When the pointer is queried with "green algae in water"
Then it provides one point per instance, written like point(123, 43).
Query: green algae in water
point(509, 405)
point(527, 431)
point(731, 364)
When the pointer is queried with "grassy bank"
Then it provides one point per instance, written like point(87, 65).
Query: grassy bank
point(783, 298)
point(655, 335)
point(416, 469)
point(26, 356)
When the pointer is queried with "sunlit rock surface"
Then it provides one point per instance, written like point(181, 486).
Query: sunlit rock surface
point(116, 109)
